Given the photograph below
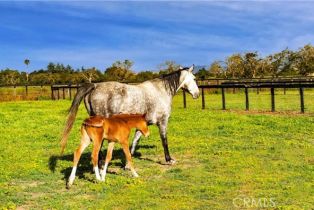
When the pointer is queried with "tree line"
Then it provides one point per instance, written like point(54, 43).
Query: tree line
point(61, 74)
point(246, 65)
point(251, 65)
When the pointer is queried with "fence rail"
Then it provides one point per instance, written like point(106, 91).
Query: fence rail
point(247, 85)
point(24, 92)
point(66, 91)
point(55, 90)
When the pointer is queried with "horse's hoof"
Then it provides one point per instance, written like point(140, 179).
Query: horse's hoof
point(68, 186)
point(171, 161)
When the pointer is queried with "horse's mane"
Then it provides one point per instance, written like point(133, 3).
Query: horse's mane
point(172, 80)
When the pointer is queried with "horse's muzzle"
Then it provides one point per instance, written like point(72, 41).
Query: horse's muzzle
point(196, 95)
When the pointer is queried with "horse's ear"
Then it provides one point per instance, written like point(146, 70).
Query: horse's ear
point(191, 68)
point(180, 67)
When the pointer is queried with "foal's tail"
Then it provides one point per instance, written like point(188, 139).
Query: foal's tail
point(81, 93)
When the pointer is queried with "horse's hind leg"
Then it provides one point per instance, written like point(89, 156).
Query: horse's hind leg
point(88, 105)
point(128, 157)
point(103, 171)
point(136, 139)
point(85, 141)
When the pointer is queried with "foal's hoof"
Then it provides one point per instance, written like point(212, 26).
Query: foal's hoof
point(135, 175)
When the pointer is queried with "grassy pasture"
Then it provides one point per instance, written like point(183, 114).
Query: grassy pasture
point(223, 157)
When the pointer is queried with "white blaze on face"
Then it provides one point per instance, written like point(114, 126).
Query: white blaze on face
point(187, 81)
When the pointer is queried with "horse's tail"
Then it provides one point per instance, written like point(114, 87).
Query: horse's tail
point(81, 93)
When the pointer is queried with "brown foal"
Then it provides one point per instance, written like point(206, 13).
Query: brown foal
point(115, 129)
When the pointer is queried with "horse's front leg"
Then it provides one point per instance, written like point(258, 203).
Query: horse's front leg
point(163, 135)
point(136, 139)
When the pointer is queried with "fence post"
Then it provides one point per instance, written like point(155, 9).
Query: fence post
point(246, 99)
point(63, 93)
point(184, 99)
point(223, 99)
point(302, 100)
point(272, 91)
point(52, 95)
point(70, 92)
point(58, 94)
point(26, 90)
point(203, 99)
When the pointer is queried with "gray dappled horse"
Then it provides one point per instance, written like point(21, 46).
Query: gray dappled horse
point(153, 97)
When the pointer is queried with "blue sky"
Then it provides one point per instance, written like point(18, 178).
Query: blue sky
point(94, 33)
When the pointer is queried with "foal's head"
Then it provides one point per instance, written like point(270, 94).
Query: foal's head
point(142, 126)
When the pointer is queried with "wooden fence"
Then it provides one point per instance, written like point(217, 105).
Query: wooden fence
point(300, 84)
point(57, 90)
point(24, 92)
point(66, 91)
point(218, 81)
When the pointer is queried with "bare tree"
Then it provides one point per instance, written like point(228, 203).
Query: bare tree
point(169, 66)
point(90, 74)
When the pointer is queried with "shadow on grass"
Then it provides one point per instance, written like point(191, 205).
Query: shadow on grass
point(84, 165)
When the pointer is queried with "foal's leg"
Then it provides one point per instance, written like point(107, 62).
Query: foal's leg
point(103, 171)
point(85, 141)
point(136, 139)
point(96, 148)
point(129, 164)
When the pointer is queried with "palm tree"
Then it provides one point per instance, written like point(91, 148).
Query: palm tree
point(26, 62)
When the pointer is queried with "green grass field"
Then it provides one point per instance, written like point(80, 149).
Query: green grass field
point(225, 159)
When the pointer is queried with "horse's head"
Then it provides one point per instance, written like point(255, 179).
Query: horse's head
point(188, 83)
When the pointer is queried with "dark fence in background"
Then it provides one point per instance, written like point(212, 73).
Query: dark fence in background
point(218, 81)
point(24, 92)
point(299, 84)
point(36, 92)
point(63, 91)
point(56, 92)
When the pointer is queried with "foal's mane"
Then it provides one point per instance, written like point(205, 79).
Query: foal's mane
point(171, 80)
